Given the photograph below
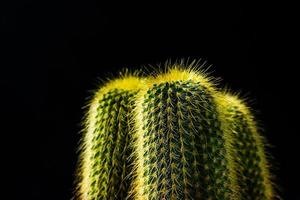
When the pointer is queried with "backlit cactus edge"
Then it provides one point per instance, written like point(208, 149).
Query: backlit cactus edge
point(172, 135)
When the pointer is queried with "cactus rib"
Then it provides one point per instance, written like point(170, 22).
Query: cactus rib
point(252, 166)
point(180, 145)
point(104, 172)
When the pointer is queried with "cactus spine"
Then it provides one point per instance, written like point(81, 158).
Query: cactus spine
point(104, 165)
point(188, 140)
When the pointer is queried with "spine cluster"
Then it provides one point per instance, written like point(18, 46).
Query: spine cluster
point(171, 136)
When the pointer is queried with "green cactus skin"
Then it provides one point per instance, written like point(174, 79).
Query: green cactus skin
point(184, 144)
point(254, 177)
point(182, 150)
point(105, 167)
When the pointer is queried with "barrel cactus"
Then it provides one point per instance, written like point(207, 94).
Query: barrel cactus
point(172, 135)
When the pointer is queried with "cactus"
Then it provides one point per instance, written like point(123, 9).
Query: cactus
point(182, 150)
point(187, 140)
point(104, 169)
point(252, 166)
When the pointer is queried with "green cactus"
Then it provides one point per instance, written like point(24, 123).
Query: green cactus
point(182, 150)
point(254, 177)
point(173, 135)
point(104, 169)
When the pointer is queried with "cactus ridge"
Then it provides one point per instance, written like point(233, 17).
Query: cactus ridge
point(184, 154)
point(110, 144)
point(252, 168)
point(105, 168)
point(251, 180)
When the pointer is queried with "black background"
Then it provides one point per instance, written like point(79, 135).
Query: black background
point(54, 51)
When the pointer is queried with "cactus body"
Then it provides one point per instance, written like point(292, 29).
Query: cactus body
point(249, 155)
point(105, 167)
point(182, 150)
point(188, 140)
